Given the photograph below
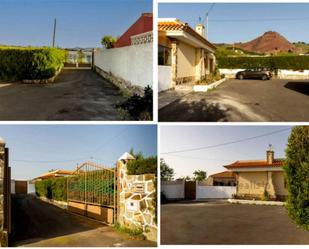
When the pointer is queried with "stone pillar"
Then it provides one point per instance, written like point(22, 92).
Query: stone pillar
point(3, 197)
point(174, 62)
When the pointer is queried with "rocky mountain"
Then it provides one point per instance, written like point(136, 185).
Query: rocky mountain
point(269, 42)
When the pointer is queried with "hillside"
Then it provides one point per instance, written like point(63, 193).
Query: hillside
point(269, 42)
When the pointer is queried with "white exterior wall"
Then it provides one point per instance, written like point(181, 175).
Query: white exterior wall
point(230, 73)
point(164, 77)
point(290, 74)
point(12, 186)
point(30, 188)
point(173, 190)
point(282, 74)
point(214, 192)
point(131, 63)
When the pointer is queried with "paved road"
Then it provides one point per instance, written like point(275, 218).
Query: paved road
point(75, 95)
point(39, 224)
point(246, 100)
point(230, 224)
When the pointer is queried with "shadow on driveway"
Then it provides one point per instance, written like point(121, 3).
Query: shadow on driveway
point(40, 224)
point(192, 111)
point(301, 87)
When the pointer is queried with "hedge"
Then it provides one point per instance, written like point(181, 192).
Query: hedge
point(18, 63)
point(272, 62)
point(54, 188)
point(142, 166)
point(297, 175)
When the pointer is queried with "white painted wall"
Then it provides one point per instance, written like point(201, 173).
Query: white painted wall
point(290, 74)
point(164, 77)
point(173, 190)
point(230, 73)
point(12, 186)
point(282, 74)
point(31, 188)
point(215, 192)
point(131, 63)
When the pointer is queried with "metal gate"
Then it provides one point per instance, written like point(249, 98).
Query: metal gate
point(91, 191)
point(190, 190)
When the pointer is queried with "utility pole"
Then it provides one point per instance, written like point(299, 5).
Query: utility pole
point(206, 19)
point(207, 27)
point(54, 34)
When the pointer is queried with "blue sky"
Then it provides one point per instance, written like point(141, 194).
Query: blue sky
point(68, 145)
point(79, 22)
point(173, 138)
point(241, 22)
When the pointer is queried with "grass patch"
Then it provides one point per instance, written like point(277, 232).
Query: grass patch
point(134, 233)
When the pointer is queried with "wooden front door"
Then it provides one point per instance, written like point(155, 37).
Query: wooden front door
point(190, 190)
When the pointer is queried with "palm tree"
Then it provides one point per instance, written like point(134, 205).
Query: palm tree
point(108, 41)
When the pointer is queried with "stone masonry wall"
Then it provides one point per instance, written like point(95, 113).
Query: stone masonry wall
point(3, 232)
point(135, 201)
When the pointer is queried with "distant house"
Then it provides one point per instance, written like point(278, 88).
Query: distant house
point(79, 55)
point(184, 54)
point(225, 178)
point(137, 32)
point(257, 177)
point(55, 173)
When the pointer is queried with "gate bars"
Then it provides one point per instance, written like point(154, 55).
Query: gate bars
point(93, 184)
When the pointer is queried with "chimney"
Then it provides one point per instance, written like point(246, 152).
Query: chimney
point(270, 155)
point(200, 29)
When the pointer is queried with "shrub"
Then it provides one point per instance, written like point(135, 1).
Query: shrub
point(272, 62)
point(138, 107)
point(142, 166)
point(30, 63)
point(135, 233)
point(266, 195)
point(54, 188)
point(297, 175)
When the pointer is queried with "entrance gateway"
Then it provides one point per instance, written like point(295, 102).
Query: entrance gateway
point(92, 192)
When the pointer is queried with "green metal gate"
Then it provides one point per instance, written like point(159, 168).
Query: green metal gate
point(93, 184)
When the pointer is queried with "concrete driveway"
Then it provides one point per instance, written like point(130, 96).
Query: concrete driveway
point(228, 224)
point(246, 100)
point(75, 95)
point(39, 224)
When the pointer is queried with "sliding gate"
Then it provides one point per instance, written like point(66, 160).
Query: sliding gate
point(92, 192)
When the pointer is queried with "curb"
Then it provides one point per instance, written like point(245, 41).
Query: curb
point(43, 81)
point(251, 202)
point(205, 88)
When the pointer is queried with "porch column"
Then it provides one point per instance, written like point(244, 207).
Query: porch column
point(174, 62)
point(199, 60)
point(270, 186)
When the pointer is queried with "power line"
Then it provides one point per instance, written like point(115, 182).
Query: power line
point(226, 143)
point(77, 159)
point(259, 19)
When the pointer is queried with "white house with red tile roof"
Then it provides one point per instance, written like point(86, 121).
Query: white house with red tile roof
point(184, 54)
point(258, 178)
